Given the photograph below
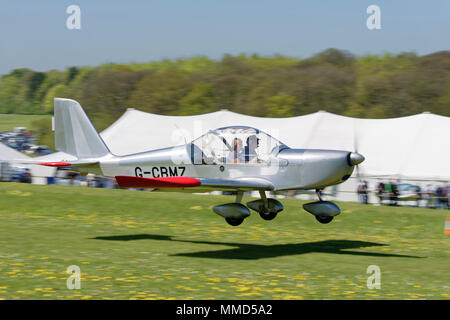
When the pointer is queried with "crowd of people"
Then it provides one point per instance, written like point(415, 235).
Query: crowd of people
point(391, 192)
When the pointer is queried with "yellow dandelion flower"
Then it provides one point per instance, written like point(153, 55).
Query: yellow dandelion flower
point(214, 279)
point(242, 288)
point(292, 297)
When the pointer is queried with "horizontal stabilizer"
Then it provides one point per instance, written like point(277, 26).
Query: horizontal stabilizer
point(166, 182)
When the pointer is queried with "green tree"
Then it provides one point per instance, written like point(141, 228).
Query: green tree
point(281, 105)
point(332, 80)
point(58, 91)
point(354, 110)
point(160, 92)
point(199, 100)
point(43, 130)
point(104, 93)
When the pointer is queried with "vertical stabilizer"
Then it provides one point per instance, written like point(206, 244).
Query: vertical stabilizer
point(74, 132)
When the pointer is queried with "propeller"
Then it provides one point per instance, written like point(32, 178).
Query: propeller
point(355, 158)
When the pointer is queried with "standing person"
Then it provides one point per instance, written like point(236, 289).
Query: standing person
point(388, 191)
point(441, 196)
point(359, 191)
point(27, 176)
point(448, 193)
point(418, 195)
point(395, 193)
point(91, 180)
point(380, 190)
point(438, 193)
point(429, 195)
point(365, 195)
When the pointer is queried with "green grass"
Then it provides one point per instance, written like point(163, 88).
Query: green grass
point(142, 245)
point(9, 121)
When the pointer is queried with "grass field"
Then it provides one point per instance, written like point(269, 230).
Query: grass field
point(9, 121)
point(142, 245)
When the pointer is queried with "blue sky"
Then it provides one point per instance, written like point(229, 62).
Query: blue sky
point(33, 34)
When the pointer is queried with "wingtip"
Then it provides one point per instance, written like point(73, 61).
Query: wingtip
point(54, 164)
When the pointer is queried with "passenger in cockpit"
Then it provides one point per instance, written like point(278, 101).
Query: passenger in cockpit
point(237, 154)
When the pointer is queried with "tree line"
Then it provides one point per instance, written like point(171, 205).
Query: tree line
point(333, 80)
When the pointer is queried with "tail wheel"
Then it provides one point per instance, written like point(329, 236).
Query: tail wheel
point(268, 215)
point(323, 219)
point(234, 221)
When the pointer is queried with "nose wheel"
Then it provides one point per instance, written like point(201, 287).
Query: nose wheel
point(268, 215)
point(266, 207)
point(323, 211)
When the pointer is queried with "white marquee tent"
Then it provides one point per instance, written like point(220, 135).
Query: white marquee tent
point(39, 173)
point(414, 147)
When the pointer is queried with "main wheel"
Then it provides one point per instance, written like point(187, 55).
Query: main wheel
point(268, 216)
point(323, 219)
point(234, 221)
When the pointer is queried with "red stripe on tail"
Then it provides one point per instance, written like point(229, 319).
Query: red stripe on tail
point(55, 164)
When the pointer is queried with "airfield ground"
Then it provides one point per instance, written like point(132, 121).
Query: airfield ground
point(143, 245)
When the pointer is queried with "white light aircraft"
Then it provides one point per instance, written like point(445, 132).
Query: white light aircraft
point(235, 158)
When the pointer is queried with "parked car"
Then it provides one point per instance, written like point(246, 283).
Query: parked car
point(408, 192)
point(68, 177)
point(19, 174)
point(41, 151)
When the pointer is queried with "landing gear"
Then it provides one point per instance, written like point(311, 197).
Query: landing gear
point(324, 220)
point(324, 211)
point(234, 213)
point(268, 215)
point(319, 194)
point(266, 207)
point(234, 221)
point(264, 210)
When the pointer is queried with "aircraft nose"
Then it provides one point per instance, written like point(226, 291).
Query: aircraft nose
point(354, 158)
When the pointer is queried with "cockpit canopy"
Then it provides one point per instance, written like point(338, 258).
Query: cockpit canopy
point(236, 144)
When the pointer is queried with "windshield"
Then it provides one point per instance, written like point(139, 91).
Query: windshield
point(234, 145)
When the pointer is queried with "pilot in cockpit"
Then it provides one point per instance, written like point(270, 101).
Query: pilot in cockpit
point(250, 149)
point(237, 154)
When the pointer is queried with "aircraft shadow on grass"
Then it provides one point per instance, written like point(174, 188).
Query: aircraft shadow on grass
point(242, 251)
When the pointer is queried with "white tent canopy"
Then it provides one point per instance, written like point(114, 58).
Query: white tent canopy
point(14, 157)
point(414, 147)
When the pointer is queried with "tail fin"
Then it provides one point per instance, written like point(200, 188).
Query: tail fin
point(74, 132)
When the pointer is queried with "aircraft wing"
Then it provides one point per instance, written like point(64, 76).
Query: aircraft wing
point(245, 184)
point(196, 184)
